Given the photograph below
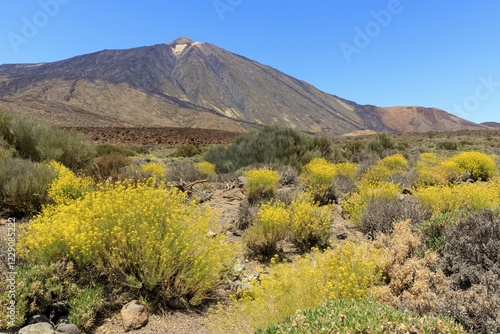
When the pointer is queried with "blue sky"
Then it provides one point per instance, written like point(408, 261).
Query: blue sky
point(442, 54)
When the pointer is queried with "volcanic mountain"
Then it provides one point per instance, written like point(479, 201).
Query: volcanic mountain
point(193, 84)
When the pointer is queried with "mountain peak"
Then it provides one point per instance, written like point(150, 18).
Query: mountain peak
point(182, 40)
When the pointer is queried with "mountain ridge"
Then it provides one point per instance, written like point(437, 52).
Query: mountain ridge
point(194, 84)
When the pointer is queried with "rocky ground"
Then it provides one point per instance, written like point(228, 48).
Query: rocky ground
point(157, 136)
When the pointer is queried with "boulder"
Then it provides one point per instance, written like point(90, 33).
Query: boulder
point(134, 316)
point(68, 329)
point(39, 328)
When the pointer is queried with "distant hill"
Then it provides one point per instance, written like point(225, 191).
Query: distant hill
point(193, 84)
point(491, 125)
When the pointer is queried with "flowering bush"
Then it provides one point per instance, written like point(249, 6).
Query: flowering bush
point(471, 196)
point(346, 272)
point(310, 223)
point(385, 168)
point(271, 226)
point(368, 191)
point(478, 164)
point(155, 170)
point(434, 170)
point(67, 186)
point(205, 167)
point(150, 239)
point(318, 175)
point(261, 183)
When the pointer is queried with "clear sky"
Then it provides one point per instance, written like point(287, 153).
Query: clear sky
point(443, 54)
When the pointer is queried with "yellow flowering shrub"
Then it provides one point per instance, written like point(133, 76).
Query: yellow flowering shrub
point(480, 165)
point(271, 226)
point(261, 183)
point(354, 205)
point(385, 168)
point(317, 176)
point(471, 196)
point(205, 167)
point(433, 169)
point(346, 272)
point(67, 186)
point(310, 223)
point(148, 238)
point(155, 169)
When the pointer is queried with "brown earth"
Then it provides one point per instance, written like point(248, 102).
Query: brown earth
point(165, 136)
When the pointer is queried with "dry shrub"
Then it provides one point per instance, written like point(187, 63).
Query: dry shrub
point(471, 260)
point(411, 282)
point(289, 175)
point(246, 215)
point(109, 166)
point(472, 249)
point(342, 185)
point(184, 171)
point(478, 308)
point(381, 213)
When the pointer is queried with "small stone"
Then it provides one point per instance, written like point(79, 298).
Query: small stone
point(134, 316)
point(241, 181)
point(68, 328)
point(39, 328)
point(178, 303)
point(342, 236)
point(36, 319)
point(406, 191)
point(63, 319)
point(211, 234)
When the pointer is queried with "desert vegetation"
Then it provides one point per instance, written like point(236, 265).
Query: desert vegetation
point(104, 224)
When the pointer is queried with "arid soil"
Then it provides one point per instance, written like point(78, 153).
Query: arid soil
point(157, 136)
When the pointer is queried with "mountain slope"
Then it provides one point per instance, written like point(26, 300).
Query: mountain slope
point(193, 84)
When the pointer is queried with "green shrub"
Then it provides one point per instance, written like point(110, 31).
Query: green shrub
point(271, 145)
point(105, 149)
point(382, 143)
point(38, 142)
point(447, 145)
point(24, 186)
point(40, 286)
point(143, 236)
point(432, 231)
point(261, 184)
point(188, 151)
point(365, 316)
